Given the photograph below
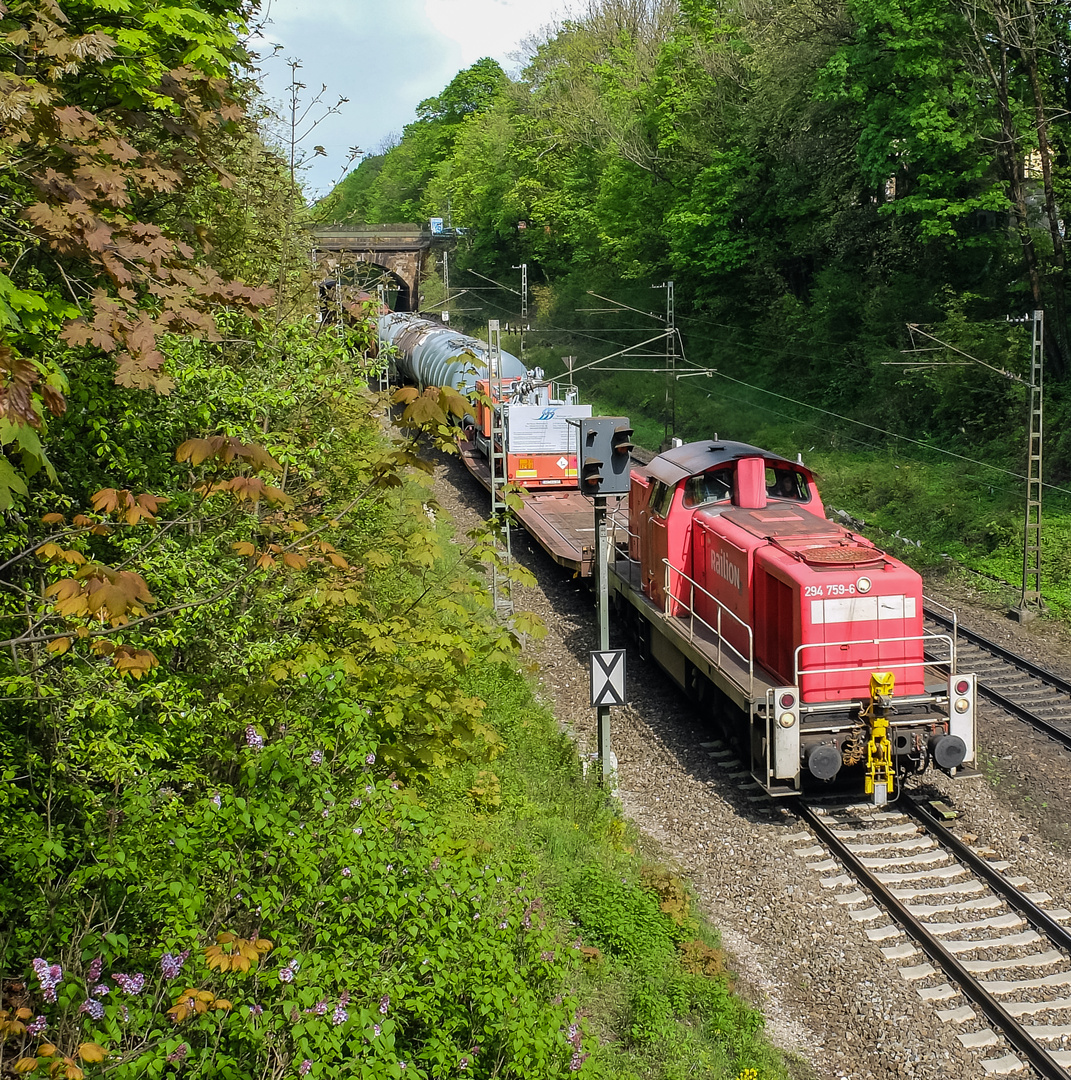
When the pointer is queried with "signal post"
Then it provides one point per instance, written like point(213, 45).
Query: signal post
point(603, 462)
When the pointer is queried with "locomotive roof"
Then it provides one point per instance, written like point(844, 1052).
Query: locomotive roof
point(695, 458)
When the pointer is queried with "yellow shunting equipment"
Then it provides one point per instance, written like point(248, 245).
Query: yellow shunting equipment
point(880, 780)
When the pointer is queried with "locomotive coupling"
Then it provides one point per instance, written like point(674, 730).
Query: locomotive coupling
point(879, 781)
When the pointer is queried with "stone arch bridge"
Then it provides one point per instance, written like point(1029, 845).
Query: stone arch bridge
point(400, 250)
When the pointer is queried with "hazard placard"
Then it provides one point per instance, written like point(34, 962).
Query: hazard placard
point(608, 678)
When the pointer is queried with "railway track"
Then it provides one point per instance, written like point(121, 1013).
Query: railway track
point(1035, 695)
point(994, 960)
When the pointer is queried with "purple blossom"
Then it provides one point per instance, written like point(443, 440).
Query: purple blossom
point(401, 1064)
point(463, 1064)
point(356, 804)
point(171, 966)
point(37, 1027)
point(101, 990)
point(574, 1036)
point(368, 789)
point(95, 969)
point(253, 739)
point(384, 1004)
point(358, 831)
point(578, 1060)
point(286, 975)
point(130, 984)
point(124, 1013)
point(320, 1008)
point(217, 799)
point(325, 814)
point(340, 1016)
point(178, 1053)
point(256, 1010)
point(344, 998)
point(94, 1008)
point(303, 1068)
point(546, 957)
point(49, 975)
point(315, 758)
point(376, 1029)
point(347, 872)
point(370, 760)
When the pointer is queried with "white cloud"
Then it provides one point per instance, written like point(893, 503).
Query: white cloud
point(385, 58)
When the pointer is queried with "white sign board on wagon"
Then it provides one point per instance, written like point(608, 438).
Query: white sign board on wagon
point(544, 429)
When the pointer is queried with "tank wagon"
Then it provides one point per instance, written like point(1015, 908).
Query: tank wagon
point(803, 638)
point(432, 354)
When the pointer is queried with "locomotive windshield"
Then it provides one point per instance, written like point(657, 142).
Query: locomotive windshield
point(787, 484)
point(708, 487)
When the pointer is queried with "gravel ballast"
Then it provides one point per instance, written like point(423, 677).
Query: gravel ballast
point(828, 994)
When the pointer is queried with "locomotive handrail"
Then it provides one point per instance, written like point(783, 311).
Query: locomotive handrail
point(748, 659)
point(954, 619)
point(832, 669)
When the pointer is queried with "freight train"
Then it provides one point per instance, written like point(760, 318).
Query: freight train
point(798, 638)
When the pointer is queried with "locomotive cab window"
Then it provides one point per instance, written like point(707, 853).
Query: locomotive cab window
point(661, 498)
point(709, 487)
point(787, 484)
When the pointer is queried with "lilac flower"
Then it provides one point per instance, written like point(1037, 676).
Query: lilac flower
point(340, 1016)
point(178, 1053)
point(384, 1004)
point(50, 976)
point(101, 990)
point(37, 1027)
point(130, 984)
point(546, 957)
point(286, 975)
point(171, 966)
point(253, 739)
point(325, 814)
point(578, 1060)
point(303, 1068)
point(124, 1013)
point(320, 1008)
point(315, 758)
point(390, 867)
point(344, 998)
point(369, 789)
point(503, 925)
point(356, 804)
point(217, 799)
point(463, 1064)
point(358, 831)
point(370, 760)
point(376, 1029)
point(575, 1036)
point(256, 1010)
point(95, 969)
point(94, 1008)
point(347, 872)
point(401, 1064)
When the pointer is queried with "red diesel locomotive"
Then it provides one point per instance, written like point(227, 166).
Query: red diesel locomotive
point(801, 637)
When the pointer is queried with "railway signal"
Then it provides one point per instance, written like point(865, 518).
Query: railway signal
point(605, 455)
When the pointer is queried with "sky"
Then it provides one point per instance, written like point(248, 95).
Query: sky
point(385, 56)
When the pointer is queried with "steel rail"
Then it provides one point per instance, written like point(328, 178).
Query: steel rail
point(1002, 700)
point(1035, 1054)
point(1040, 919)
